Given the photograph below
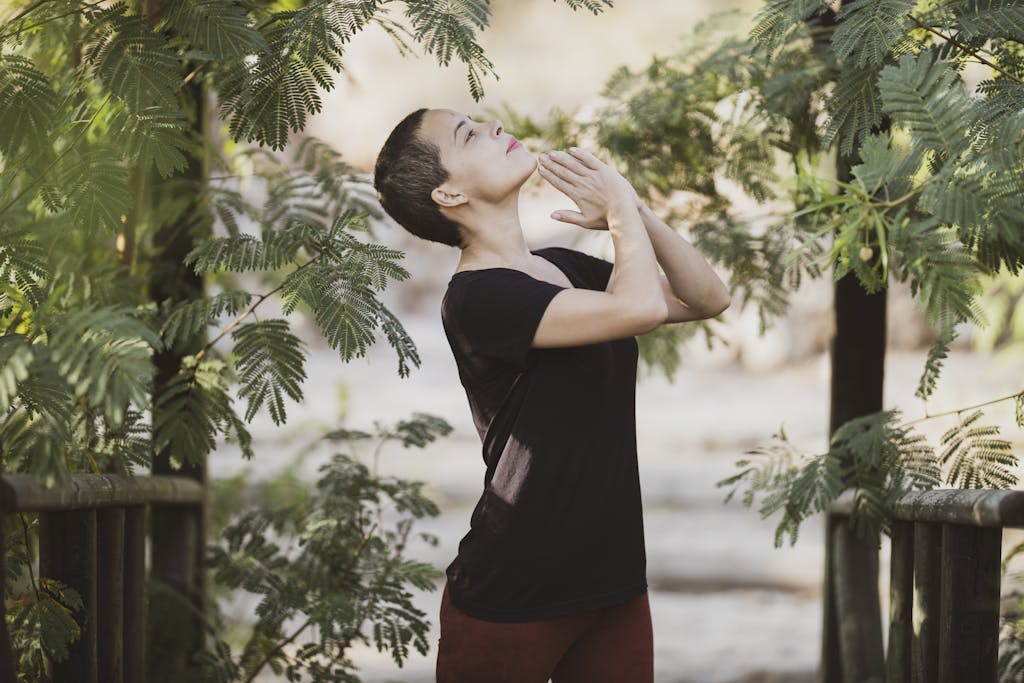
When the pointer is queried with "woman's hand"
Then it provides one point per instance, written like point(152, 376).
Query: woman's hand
point(595, 187)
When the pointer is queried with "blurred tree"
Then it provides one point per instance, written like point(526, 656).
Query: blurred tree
point(114, 180)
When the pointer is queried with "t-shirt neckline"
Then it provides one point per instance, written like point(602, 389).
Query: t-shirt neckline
point(516, 270)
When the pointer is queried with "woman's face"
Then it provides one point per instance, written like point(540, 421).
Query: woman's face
point(484, 162)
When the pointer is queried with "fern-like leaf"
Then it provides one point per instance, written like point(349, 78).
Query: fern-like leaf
point(133, 61)
point(220, 29)
point(778, 17)
point(976, 459)
point(933, 364)
point(240, 253)
point(928, 97)
point(594, 6)
point(105, 355)
point(449, 29)
point(990, 19)
point(869, 31)
point(15, 360)
point(97, 191)
point(940, 271)
point(28, 105)
point(190, 318)
point(155, 138)
point(191, 409)
point(855, 108)
point(270, 365)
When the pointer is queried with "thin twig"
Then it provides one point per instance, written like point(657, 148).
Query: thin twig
point(6, 36)
point(246, 312)
point(277, 646)
point(28, 551)
point(60, 156)
point(964, 409)
point(965, 48)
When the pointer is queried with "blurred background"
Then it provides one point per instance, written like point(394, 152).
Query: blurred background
point(727, 606)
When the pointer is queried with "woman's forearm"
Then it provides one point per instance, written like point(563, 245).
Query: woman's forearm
point(635, 275)
point(691, 276)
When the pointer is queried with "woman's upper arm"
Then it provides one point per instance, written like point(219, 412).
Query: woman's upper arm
point(575, 317)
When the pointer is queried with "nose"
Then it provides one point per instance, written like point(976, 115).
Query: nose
point(497, 127)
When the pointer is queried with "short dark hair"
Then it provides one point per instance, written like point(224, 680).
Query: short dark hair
point(408, 168)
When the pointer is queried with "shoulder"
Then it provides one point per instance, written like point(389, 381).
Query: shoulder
point(591, 270)
point(491, 291)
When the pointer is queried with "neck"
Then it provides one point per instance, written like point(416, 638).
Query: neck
point(494, 236)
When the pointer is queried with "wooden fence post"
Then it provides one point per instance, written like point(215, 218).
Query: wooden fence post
point(135, 593)
point(969, 637)
point(901, 603)
point(110, 593)
point(7, 665)
point(67, 553)
point(855, 562)
point(924, 649)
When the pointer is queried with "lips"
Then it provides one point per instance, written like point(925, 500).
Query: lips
point(513, 143)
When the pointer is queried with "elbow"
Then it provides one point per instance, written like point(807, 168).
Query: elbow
point(716, 302)
point(719, 304)
point(652, 316)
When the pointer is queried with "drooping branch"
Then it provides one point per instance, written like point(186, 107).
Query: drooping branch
point(974, 53)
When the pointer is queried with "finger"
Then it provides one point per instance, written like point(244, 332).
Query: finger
point(552, 164)
point(574, 217)
point(585, 158)
point(570, 162)
point(559, 184)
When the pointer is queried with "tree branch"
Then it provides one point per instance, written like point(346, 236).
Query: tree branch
point(263, 297)
point(973, 53)
point(6, 36)
point(964, 409)
point(277, 646)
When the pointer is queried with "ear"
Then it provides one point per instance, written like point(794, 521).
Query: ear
point(447, 198)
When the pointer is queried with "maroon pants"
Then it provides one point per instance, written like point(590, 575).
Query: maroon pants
point(608, 645)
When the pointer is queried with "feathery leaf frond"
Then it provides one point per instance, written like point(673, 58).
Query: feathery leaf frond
point(869, 31)
point(221, 29)
point(270, 364)
point(28, 106)
point(976, 459)
point(933, 364)
point(449, 29)
point(928, 97)
point(105, 355)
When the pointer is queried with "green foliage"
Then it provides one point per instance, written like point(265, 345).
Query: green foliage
point(42, 626)
point(881, 27)
point(977, 460)
point(933, 365)
point(875, 455)
point(328, 564)
point(778, 19)
point(193, 408)
point(270, 365)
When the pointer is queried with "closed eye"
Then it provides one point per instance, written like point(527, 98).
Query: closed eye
point(470, 134)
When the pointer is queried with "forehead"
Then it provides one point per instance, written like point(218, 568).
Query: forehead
point(438, 126)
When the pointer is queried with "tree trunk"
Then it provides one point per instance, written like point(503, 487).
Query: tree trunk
point(178, 532)
point(852, 649)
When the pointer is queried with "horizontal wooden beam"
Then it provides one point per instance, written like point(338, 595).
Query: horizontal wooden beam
point(967, 507)
point(24, 493)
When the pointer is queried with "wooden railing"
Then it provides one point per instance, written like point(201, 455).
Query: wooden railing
point(944, 585)
point(92, 537)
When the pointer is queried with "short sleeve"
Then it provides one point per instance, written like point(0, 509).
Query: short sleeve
point(597, 270)
point(495, 313)
point(592, 271)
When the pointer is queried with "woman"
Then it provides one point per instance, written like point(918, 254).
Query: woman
point(550, 580)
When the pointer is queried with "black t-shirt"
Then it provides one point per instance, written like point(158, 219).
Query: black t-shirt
point(559, 527)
